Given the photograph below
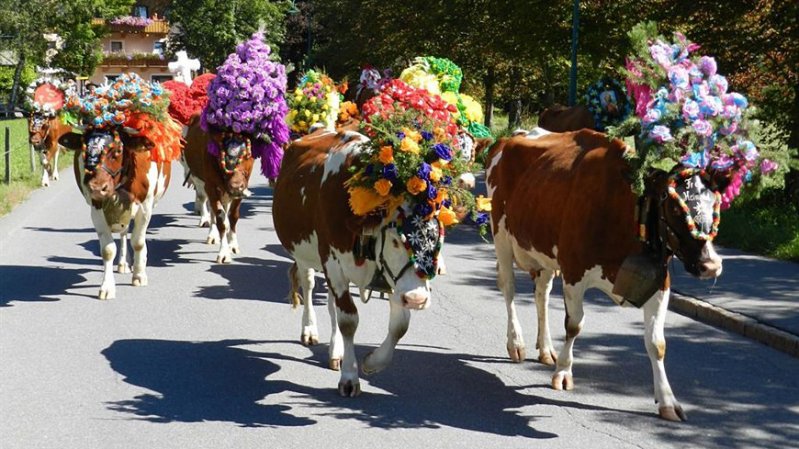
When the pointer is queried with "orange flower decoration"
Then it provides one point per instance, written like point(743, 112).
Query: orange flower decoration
point(416, 185)
point(383, 187)
point(386, 155)
point(447, 217)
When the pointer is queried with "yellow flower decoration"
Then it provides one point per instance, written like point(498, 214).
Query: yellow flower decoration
point(386, 155)
point(409, 146)
point(483, 203)
point(383, 186)
point(412, 134)
point(416, 185)
point(435, 172)
point(473, 112)
point(364, 200)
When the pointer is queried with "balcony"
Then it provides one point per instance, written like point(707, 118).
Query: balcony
point(134, 60)
point(156, 26)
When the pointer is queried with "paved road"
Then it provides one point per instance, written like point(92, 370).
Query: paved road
point(208, 356)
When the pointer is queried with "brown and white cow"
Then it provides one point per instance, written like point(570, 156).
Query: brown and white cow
point(558, 118)
point(220, 181)
point(315, 224)
point(563, 202)
point(43, 134)
point(120, 182)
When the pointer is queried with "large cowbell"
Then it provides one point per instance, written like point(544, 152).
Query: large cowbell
point(640, 276)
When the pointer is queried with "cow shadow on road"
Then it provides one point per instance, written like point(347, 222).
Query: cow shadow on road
point(161, 252)
point(221, 381)
point(32, 284)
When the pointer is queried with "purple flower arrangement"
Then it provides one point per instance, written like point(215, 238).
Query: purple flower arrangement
point(687, 114)
point(247, 97)
point(131, 21)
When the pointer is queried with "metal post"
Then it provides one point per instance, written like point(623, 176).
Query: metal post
point(573, 71)
point(8, 157)
point(33, 158)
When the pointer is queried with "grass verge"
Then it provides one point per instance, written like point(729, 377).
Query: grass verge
point(766, 226)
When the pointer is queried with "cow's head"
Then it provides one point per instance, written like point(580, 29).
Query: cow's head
point(235, 160)
point(407, 250)
point(688, 219)
point(106, 157)
point(38, 127)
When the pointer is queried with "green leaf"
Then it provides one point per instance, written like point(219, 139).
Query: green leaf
point(665, 164)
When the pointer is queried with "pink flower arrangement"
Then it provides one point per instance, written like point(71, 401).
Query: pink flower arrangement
point(247, 97)
point(131, 21)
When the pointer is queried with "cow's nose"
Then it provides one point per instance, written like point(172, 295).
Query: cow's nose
point(710, 269)
point(414, 300)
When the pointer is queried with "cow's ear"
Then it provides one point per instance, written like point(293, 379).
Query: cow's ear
point(720, 179)
point(71, 141)
point(136, 143)
point(482, 144)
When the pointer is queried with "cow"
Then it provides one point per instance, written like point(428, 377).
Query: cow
point(43, 134)
point(316, 226)
point(563, 202)
point(220, 180)
point(558, 118)
point(121, 182)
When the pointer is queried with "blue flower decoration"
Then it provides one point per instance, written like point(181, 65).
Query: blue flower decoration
point(442, 151)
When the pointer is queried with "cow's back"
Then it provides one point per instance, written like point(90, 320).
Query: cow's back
point(563, 119)
point(565, 196)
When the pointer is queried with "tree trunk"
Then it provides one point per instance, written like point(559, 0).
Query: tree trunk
point(488, 82)
point(515, 112)
point(13, 98)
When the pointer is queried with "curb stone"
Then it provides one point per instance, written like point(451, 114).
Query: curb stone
point(735, 322)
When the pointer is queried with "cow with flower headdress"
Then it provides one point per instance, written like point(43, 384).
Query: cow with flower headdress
point(124, 147)
point(46, 98)
point(243, 120)
point(369, 208)
point(611, 217)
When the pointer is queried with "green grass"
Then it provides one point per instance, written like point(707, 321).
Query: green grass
point(764, 226)
point(23, 181)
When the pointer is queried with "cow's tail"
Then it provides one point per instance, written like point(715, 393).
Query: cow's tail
point(295, 299)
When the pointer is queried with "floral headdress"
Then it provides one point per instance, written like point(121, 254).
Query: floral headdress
point(185, 101)
point(686, 115)
point(247, 97)
point(608, 103)
point(410, 156)
point(315, 100)
point(443, 77)
point(47, 95)
point(130, 102)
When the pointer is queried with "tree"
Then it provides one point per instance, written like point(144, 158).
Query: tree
point(233, 21)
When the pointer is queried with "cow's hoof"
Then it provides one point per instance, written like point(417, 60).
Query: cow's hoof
point(55, 176)
point(235, 249)
point(335, 364)
point(309, 339)
point(139, 280)
point(349, 389)
point(123, 268)
point(547, 357)
point(516, 353)
point(205, 223)
point(211, 240)
point(562, 380)
point(224, 258)
point(674, 413)
point(106, 294)
point(369, 366)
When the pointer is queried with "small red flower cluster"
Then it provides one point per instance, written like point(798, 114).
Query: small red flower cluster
point(398, 97)
point(185, 101)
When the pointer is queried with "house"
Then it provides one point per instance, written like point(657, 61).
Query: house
point(136, 43)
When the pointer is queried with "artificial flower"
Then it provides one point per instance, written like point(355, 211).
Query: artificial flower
point(416, 185)
point(383, 186)
point(386, 155)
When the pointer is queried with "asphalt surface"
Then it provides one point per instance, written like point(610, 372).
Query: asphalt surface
point(208, 355)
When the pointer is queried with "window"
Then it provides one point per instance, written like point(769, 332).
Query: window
point(117, 47)
point(140, 11)
point(159, 47)
point(160, 78)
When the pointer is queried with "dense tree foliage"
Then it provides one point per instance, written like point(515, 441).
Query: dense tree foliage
point(210, 29)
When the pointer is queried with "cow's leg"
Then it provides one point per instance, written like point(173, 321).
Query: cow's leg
point(201, 203)
point(45, 170)
point(310, 332)
point(108, 249)
point(222, 221)
point(543, 286)
point(347, 320)
point(399, 319)
point(573, 299)
point(122, 265)
point(54, 165)
point(507, 285)
point(141, 220)
point(654, 319)
point(233, 241)
point(213, 231)
point(335, 351)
